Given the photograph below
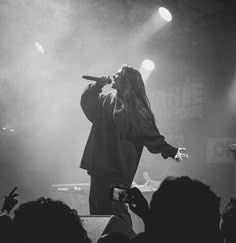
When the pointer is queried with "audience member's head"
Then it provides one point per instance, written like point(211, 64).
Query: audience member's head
point(6, 229)
point(228, 221)
point(114, 237)
point(46, 220)
point(185, 210)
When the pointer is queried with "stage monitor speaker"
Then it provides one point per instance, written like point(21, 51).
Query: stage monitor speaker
point(96, 226)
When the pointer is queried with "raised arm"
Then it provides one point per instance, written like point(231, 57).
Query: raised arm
point(90, 100)
point(9, 202)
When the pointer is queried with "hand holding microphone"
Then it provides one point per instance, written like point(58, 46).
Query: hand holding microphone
point(100, 80)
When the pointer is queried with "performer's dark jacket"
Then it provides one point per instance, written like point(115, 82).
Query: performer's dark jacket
point(116, 140)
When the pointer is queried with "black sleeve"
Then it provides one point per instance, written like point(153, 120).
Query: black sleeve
point(90, 100)
point(151, 138)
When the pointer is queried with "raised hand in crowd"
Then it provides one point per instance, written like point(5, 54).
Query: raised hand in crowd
point(6, 222)
point(9, 202)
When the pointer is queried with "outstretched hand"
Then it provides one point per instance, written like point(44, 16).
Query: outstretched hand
point(10, 201)
point(180, 155)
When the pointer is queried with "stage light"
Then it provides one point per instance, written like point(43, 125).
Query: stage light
point(165, 14)
point(148, 65)
point(146, 69)
point(39, 47)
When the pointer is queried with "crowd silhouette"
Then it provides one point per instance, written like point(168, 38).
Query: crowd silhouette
point(182, 210)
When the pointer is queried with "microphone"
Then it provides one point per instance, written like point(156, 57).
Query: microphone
point(97, 79)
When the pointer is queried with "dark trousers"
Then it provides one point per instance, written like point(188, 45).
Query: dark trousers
point(99, 202)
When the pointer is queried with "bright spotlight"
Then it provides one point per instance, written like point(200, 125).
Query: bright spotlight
point(165, 14)
point(39, 47)
point(146, 69)
point(148, 65)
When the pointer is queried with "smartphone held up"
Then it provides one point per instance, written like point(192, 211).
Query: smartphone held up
point(121, 194)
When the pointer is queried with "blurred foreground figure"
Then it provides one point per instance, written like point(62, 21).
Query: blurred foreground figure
point(48, 221)
point(181, 210)
point(228, 221)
